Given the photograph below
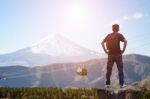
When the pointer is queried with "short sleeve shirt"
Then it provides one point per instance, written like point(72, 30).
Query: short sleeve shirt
point(120, 38)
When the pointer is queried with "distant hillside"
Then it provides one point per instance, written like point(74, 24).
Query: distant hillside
point(136, 68)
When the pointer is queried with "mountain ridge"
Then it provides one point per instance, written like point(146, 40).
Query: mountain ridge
point(64, 74)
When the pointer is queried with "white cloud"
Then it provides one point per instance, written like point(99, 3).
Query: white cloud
point(134, 16)
point(126, 18)
point(138, 15)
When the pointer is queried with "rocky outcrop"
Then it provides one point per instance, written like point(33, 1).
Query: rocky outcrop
point(121, 94)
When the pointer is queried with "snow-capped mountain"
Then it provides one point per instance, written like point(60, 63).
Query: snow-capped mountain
point(57, 45)
point(52, 49)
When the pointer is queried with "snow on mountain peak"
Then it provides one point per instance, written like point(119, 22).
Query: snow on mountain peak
point(47, 39)
point(57, 45)
point(52, 49)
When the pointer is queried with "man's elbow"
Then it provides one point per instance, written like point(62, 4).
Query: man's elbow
point(102, 43)
point(125, 41)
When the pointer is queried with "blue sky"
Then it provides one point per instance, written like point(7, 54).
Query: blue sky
point(86, 22)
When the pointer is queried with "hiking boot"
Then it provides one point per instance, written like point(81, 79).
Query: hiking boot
point(122, 86)
point(107, 86)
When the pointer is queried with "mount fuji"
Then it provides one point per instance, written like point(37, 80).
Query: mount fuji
point(52, 49)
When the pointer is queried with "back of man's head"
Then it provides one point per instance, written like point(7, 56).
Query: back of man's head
point(115, 27)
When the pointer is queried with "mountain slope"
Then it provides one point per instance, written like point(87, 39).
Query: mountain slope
point(52, 49)
point(64, 74)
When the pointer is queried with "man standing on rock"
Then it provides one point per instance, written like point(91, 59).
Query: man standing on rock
point(111, 46)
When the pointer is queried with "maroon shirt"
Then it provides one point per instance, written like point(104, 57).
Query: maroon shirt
point(110, 39)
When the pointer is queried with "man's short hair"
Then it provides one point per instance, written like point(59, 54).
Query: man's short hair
point(115, 27)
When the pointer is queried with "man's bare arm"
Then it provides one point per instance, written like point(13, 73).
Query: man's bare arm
point(104, 48)
point(124, 45)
